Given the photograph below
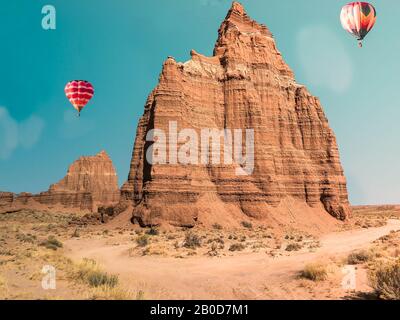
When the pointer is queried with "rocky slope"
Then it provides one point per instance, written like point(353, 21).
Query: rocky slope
point(90, 182)
point(246, 84)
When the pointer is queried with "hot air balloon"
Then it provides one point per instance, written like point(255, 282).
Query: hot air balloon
point(358, 18)
point(79, 92)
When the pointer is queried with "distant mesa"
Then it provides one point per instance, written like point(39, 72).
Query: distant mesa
point(298, 178)
point(90, 182)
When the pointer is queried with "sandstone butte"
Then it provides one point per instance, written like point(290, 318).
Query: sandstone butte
point(297, 179)
point(90, 182)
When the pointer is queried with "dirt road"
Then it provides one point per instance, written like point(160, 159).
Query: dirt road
point(243, 276)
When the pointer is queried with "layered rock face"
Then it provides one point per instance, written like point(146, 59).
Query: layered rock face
point(245, 85)
point(90, 182)
point(95, 175)
point(6, 198)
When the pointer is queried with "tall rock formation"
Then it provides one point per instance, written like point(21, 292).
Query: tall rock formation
point(95, 175)
point(6, 199)
point(90, 182)
point(246, 84)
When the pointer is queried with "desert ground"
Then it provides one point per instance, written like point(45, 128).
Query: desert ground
point(122, 261)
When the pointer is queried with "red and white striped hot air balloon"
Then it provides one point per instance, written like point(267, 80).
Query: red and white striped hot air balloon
point(79, 92)
point(358, 18)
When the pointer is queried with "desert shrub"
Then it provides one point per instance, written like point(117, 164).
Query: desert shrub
point(237, 247)
point(107, 293)
point(314, 272)
point(76, 233)
point(192, 240)
point(6, 252)
point(26, 237)
point(217, 226)
point(153, 231)
point(217, 240)
point(142, 240)
point(99, 278)
point(386, 281)
point(51, 243)
point(247, 225)
point(89, 272)
point(213, 252)
point(358, 257)
point(293, 247)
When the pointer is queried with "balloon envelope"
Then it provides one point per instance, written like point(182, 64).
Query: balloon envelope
point(79, 92)
point(358, 18)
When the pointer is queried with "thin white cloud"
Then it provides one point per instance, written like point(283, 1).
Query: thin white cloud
point(324, 58)
point(8, 134)
point(13, 134)
point(30, 131)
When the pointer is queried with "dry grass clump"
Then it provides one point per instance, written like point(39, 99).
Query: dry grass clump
point(51, 243)
point(385, 280)
point(237, 247)
point(142, 240)
point(153, 231)
point(76, 233)
point(106, 292)
point(247, 224)
point(314, 272)
point(28, 238)
point(90, 273)
point(293, 247)
point(192, 241)
point(359, 257)
point(217, 226)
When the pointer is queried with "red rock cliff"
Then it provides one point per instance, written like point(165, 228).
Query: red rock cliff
point(95, 175)
point(90, 182)
point(245, 84)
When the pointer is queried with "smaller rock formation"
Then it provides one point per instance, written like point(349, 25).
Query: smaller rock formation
point(94, 175)
point(6, 199)
point(90, 182)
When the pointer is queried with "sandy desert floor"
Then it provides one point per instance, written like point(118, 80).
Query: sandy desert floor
point(118, 261)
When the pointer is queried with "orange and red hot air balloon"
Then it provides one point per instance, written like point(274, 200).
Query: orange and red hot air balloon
point(358, 18)
point(79, 92)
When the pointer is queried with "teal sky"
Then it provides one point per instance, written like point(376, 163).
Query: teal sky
point(120, 45)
